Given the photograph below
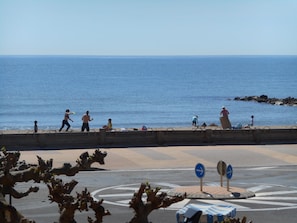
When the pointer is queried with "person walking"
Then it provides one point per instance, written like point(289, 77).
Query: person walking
point(86, 118)
point(65, 120)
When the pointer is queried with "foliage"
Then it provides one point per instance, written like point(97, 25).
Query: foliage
point(12, 172)
point(154, 200)
point(235, 220)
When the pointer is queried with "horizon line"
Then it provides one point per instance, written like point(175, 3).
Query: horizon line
point(144, 55)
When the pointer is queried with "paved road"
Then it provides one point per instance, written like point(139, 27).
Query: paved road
point(267, 170)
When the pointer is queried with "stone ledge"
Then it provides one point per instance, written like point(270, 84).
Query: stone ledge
point(175, 137)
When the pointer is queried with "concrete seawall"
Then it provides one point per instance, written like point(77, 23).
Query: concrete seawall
point(56, 140)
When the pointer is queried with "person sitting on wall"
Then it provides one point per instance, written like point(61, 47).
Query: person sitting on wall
point(108, 127)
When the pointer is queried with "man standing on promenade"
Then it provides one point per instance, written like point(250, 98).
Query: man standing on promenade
point(65, 120)
point(86, 118)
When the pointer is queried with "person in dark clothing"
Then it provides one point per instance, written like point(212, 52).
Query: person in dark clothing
point(65, 120)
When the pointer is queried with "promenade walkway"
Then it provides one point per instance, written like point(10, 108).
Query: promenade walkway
point(145, 158)
point(176, 156)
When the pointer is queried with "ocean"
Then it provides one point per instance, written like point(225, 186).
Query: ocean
point(155, 91)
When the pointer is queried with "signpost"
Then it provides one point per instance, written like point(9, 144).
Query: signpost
point(200, 172)
point(221, 167)
point(229, 174)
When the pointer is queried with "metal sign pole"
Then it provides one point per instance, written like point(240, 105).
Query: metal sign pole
point(221, 167)
point(200, 172)
point(229, 175)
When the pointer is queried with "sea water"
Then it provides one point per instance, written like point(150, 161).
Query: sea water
point(152, 91)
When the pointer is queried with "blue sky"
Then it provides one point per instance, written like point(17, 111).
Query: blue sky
point(150, 27)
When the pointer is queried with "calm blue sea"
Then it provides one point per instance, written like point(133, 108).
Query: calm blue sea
point(136, 91)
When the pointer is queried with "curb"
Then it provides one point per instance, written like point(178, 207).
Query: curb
point(211, 192)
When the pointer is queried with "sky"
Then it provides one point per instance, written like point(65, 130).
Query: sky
point(148, 27)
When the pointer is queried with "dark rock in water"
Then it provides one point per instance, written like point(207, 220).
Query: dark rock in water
point(289, 101)
point(264, 97)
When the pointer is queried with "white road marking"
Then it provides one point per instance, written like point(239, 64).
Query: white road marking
point(261, 168)
point(274, 198)
point(221, 202)
point(276, 193)
point(127, 188)
point(259, 188)
point(276, 203)
point(270, 199)
point(115, 195)
point(179, 205)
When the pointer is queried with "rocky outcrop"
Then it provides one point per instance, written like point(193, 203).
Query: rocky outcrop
point(289, 101)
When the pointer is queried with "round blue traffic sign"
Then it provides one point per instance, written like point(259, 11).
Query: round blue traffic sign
point(199, 170)
point(229, 172)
